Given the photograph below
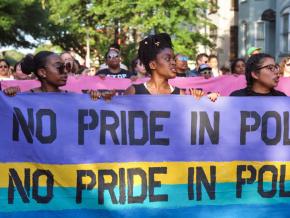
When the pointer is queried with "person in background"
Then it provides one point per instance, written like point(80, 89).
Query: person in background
point(156, 53)
point(182, 69)
point(285, 67)
point(200, 59)
point(262, 75)
point(253, 50)
point(238, 67)
point(18, 74)
point(49, 68)
point(205, 71)
point(138, 68)
point(214, 64)
point(113, 60)
point(69, 63)
point(225, 70)
point(114, 47)
point(5, 70)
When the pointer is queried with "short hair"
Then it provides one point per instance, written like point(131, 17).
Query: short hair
point(6, 62)
point(151, 46)
point(200, 56)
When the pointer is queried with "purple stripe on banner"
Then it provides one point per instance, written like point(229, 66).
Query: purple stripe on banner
point(142, 128)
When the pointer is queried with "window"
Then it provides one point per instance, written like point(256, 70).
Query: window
point(235, 5)
point(285, 32)
point(244, 33)
point(213, 6)
point(260, 34)
point(234, 32)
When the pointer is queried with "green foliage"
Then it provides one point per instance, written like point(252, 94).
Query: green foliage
point(12, 56)
point(20, 20)
point(70, 23)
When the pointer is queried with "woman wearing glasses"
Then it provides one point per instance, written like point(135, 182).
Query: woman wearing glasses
point(49, 69)
point(4, 70)
point(262, 75)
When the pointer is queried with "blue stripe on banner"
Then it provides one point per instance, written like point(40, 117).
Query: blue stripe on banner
point(64, 199)
point(229, 211)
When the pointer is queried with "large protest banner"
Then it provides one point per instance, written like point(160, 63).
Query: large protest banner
point(64, 155)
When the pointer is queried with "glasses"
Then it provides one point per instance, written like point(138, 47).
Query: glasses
point(182, 58)
point(288, 65)
point(272, 67)
point(60, 68)
point(3, 66)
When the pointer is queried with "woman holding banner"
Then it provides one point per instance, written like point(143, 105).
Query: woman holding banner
point(49, 69)
point(156, 53)
point(262, 75)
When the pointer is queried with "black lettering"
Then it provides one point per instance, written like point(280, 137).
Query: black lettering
point(157, 128)
point(264, 134)
point(82, 126)
point(153, 184)
point(193, 127)
point(248, 128)
point(14, 180)
point(190, 183)
point(109, 127)
point(271, 193)
point(102, 186)
point(81, 186)
point(242, 181)
point(49, 186)
point(39, 126)
point(282, 192)
point(130, 178)
point(26, 126)
point(213, 132)
point(201, 179)
point(143, 116)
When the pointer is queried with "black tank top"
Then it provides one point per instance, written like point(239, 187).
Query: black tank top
point(140, 89)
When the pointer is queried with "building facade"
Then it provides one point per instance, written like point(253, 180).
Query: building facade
point(224, 34)
point(264, 24)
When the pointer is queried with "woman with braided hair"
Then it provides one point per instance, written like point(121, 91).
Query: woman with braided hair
point(156, 53)
point(262, 75)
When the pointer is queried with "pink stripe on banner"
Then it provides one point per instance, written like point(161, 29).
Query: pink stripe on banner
point(224, 84)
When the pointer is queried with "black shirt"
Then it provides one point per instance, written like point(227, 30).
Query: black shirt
point(121, 74)
point(246, 92)
point(140, 89)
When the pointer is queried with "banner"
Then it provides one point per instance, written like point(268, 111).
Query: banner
point(225, 85)
point(64, 155)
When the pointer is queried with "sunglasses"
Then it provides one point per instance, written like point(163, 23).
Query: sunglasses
point(182, 58)
point(288, 65)
point(60, 68)
point(3, 66)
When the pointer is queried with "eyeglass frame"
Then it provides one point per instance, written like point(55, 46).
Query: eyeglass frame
point(276, 66)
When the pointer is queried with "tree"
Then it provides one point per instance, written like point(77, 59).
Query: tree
point(126, 22)
point(21, 22)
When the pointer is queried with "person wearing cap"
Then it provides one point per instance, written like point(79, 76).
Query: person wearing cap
point(181, 65)
point(205, 70)
point(253, 50)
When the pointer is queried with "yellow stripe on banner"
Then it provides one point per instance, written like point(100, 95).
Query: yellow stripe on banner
point(177, 172)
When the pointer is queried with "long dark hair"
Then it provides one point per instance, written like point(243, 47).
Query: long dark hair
point(253, 63)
